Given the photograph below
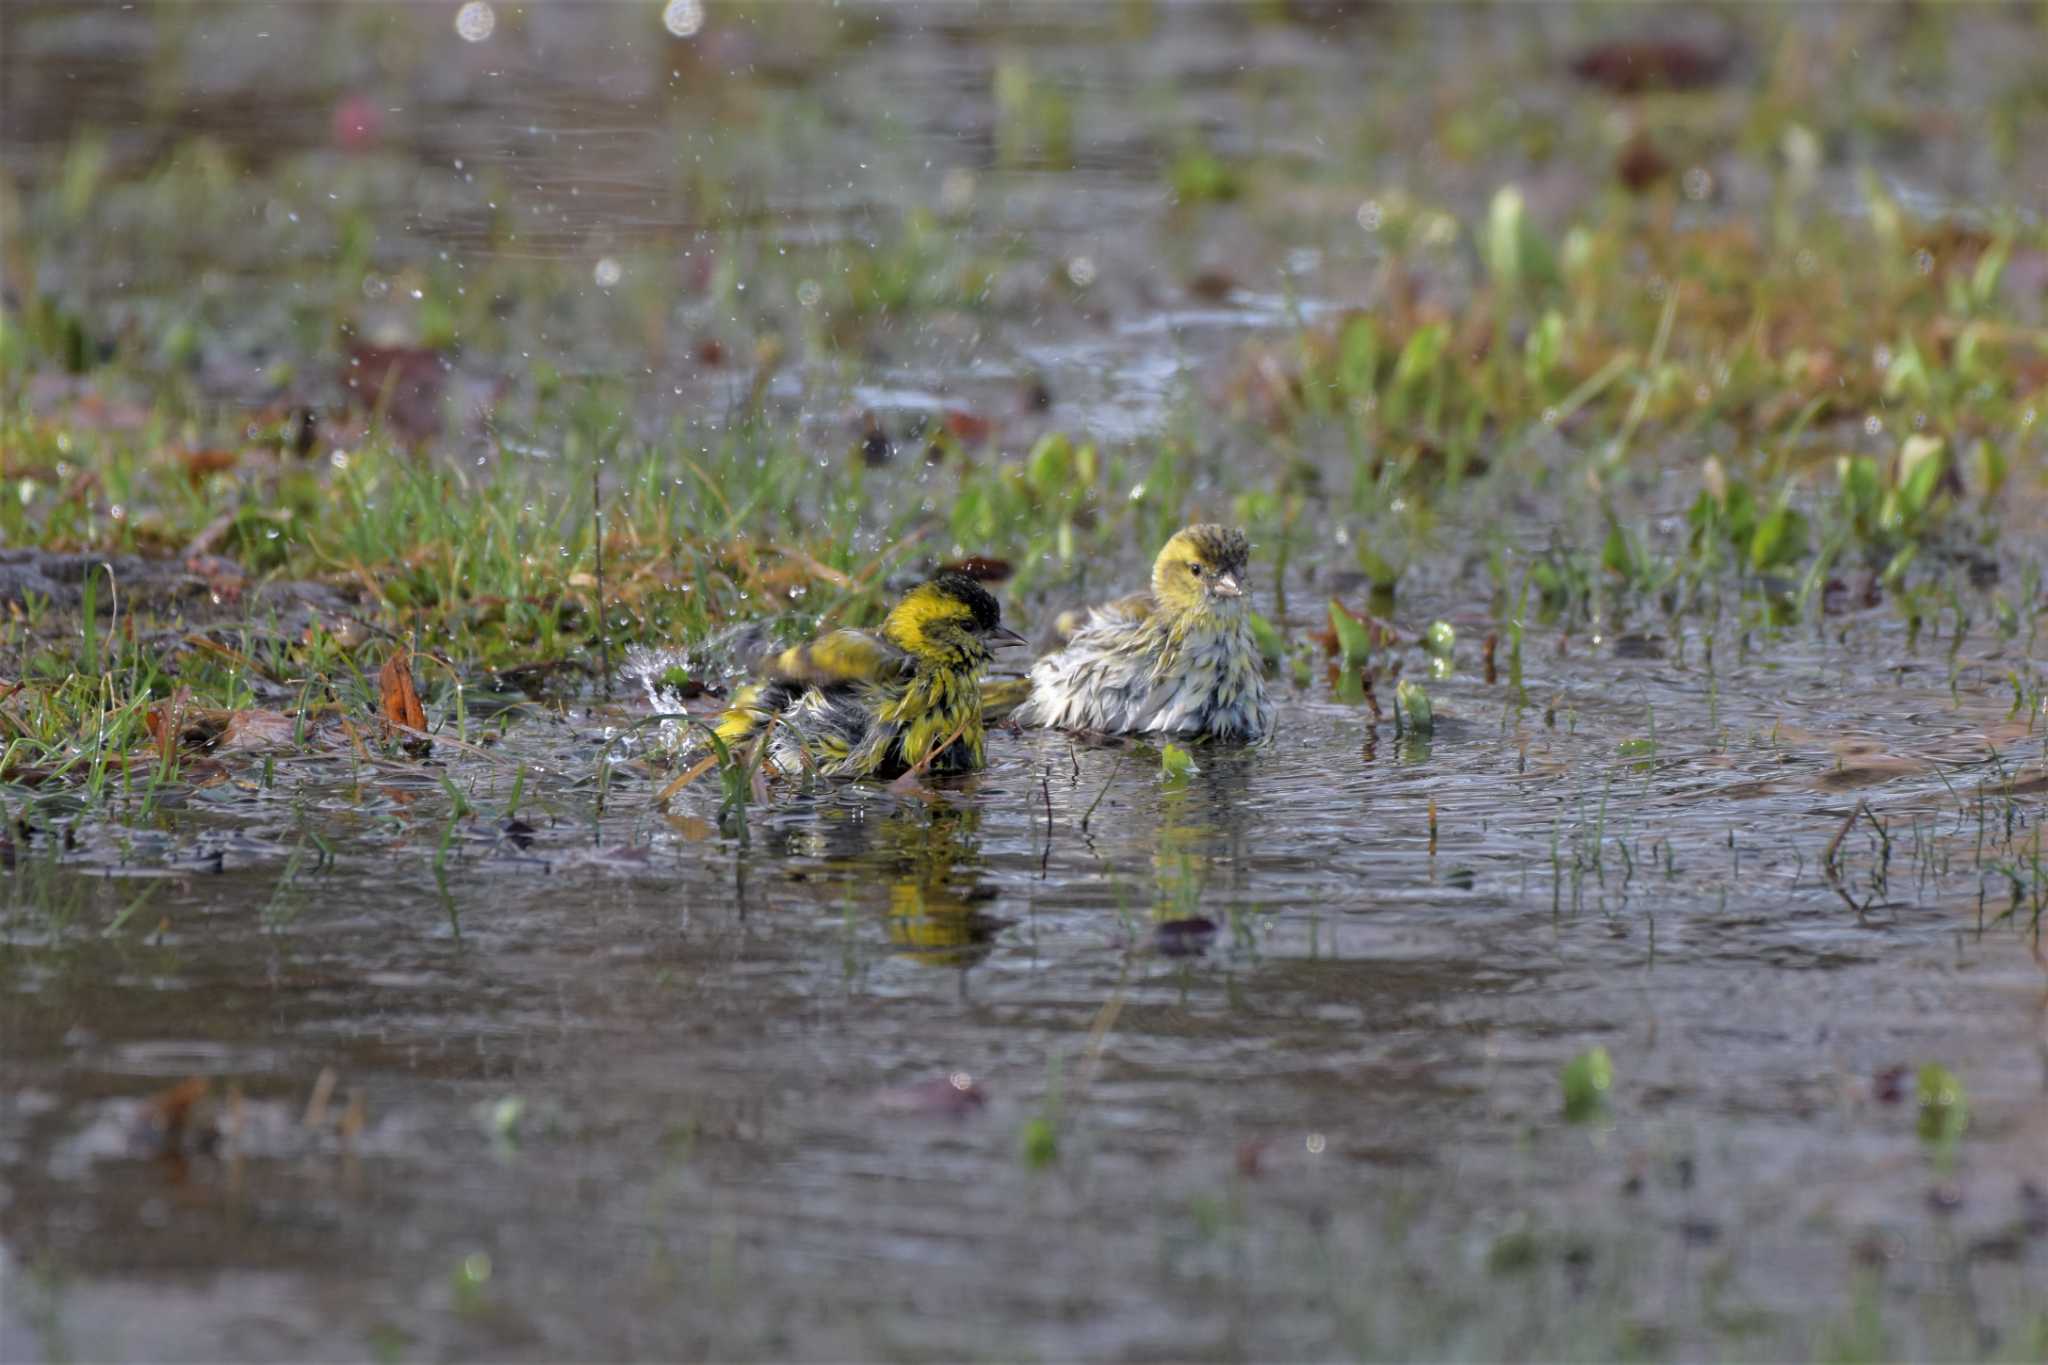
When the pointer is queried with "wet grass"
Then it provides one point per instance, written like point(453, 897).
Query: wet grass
point(1591, 378)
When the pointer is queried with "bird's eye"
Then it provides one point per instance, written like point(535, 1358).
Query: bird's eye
point(1197, 570)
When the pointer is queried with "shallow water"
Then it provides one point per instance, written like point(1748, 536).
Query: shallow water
point(616, 1083)
point(730, 1125)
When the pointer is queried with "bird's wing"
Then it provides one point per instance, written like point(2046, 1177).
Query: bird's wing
point(1130, 610)
point(838, 659)
point(1001, 696)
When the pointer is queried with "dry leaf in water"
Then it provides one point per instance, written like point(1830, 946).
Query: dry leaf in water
point(400, 699)
point(255, 729)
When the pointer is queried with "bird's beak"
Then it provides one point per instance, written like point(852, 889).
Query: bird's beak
point(1226, 585)
point(1003, 636)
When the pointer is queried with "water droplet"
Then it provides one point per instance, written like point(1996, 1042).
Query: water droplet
point(474, 21)
point(956, 191)
point(607, 273)
point(1871, 425)
point(1081, 270)
point(1370, 215)
point(1697, 183)
point(808, 293)
point(683, 17)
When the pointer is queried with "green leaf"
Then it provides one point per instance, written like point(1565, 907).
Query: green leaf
point(1272, 648)
point(1050, 464)
point(1780, 539)
point(1616, 555)
point(1040, 1144)
point(1411, 703)
point(1544, 349)
point(1944, 1108)
point(1586, 1079)
point(1895, 571)
point(1988, 468)
point(1440, 638)
point(1358, 358)
point(1703, 517)
point(1862, 491)
point(1738, 516)
point(1354, 641)
point(1419, 358)
point(1922, 460)
point(1198, 176)
point(1990, 266)
point(1506, 224)
point(1383, 573)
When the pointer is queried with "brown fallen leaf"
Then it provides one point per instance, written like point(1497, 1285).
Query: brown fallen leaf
point(399, 699)
point(200, 463)
point(970, 428)
point(256, 729)
point(1639, 164)
point(1630, 67)
point(166, 1119)
point(177, 723)
point(402, 385)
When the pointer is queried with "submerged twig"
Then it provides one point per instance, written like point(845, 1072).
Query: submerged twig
point(1089, 814)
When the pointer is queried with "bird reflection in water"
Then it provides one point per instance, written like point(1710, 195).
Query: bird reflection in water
point(936, 897)
point(928, 856)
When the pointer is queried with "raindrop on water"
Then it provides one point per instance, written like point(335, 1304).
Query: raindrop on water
point(607, 273)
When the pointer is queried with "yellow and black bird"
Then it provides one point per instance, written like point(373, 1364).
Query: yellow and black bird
point(857, 703)
point(1176, 660)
